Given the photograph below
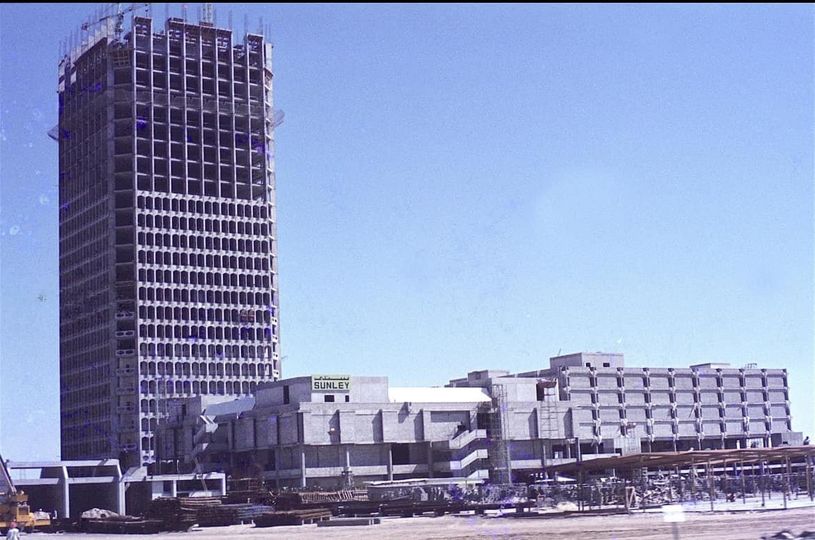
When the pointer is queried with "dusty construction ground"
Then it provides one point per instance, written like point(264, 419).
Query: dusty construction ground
point(736, 526)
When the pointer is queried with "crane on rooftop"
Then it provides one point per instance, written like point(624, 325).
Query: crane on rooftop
point(118, 16)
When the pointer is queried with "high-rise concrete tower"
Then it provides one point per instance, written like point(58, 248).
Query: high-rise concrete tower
point(168, 266)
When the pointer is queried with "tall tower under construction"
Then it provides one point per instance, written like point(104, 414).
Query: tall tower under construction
point(167, 226)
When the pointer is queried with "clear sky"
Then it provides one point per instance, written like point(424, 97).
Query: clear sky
point(463, 187)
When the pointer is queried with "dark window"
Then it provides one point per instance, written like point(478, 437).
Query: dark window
point(401, 454)
point(286, 394)
point(347, 399)
point(329, 399)
point(606, 364)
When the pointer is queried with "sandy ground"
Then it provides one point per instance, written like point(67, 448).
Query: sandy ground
point(737, 525)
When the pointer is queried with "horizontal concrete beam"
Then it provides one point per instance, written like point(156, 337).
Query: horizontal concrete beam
point(37, 482)
point(55, 464)
point(94, 480)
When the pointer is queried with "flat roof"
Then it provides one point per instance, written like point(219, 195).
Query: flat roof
point(234, 406)
point(438, 395)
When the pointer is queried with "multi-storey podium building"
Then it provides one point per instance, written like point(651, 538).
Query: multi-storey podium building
point(168, 268)
point(492, 424)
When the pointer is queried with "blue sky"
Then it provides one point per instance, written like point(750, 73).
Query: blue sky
point(463, 187)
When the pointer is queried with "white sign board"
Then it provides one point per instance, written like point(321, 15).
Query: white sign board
point(330, 383)
point(673, 513)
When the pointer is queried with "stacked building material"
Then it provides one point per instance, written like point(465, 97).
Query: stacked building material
point(256, 496)
point(249, 512)
point(308, 497)
point(120, 525)
point(412, 508)
point(217, 515)
point(287, 501)
point(230, 514)
point(247, 490)
point(173, 513)
point(293, 517)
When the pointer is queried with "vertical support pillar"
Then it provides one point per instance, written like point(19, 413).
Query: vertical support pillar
point(508, 451)
point(743, 487)
point(429, 460)
point(581, 498)
point(809, 477)
point(121, 498)
point(277, 467)
point(784, 494)
point(66, 493)
point(390, 463)
point(173, 488)
point(768, 471)
point(625, 496)
point(119, 487)
point(787, 488)
point(302, 465)
point(348, 475)
point(543, 457)
point(693, 481)
point(710, 487)
point(223, 486)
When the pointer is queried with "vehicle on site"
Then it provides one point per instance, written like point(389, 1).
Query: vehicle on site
point(14, 506)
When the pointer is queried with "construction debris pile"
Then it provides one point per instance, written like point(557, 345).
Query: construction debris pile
point(453, 492)
point(102, 521)
point(297, 499)
point(180, 514)
point(175, 514)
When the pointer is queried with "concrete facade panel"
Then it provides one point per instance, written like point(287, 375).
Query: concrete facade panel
point(634, 398)
point(777, 396)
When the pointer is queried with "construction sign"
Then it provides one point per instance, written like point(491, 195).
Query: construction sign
point(330, 383)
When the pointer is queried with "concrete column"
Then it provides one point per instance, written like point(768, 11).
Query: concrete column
point(223, 486)
point(66, 494)
point(543, 452)
point(390, 463)
point(302, 466)
point(119, 488)
point(277, 466)
point(174, 488)
point(121, 499)
point(429, 460)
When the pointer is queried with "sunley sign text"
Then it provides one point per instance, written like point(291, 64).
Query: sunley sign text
point(330, 383)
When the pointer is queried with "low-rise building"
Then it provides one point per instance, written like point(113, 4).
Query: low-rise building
point(331, 431)
point(68, 488)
